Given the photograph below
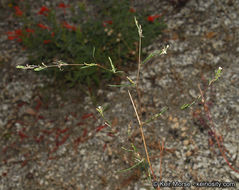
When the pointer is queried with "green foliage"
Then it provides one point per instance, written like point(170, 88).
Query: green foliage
point(107, 28)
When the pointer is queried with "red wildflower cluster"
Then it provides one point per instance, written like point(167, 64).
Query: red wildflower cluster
point(43, 11)
point(30, 30)
point(68, 26)
point(107, 22)
point(43, 26)
point(18, 32)
point(153, 17)
point(15, 35)
point(63, 6)
point(46, 41)
point(18, 11)
point(46, 28)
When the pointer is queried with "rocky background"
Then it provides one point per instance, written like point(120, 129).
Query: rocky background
point(53, 138)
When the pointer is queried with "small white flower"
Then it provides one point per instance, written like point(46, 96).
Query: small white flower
point(220, 68)
point(164, 51)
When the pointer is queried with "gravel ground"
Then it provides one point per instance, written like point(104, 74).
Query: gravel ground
point(52, 138)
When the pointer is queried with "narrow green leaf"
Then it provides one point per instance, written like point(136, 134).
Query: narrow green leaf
point(84, 67)
point(88, 65)
point(39, 68)
point(93, 52)
point(20, 67)
point(151, 55)
point(126, 149)
point(184, 106)
point(135, 149)
point(134, 166)
point(156, 115)
point(112, 66)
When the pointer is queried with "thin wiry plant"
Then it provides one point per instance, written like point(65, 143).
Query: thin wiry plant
point(218, 73)
point(140, 33)
point(140, 161)
point(219, 143)
point(138, 113)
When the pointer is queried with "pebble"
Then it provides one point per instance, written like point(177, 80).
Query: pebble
point(192, 92)
point(189, 153)
point(184, 129)
point(189, 55)
point(184, 134)
point(186, 142)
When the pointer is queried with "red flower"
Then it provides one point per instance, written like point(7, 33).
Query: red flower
point(43, 10)
point(63, 5)
point(43, 26)
point(107, 22)
point(12, 37)
point(66, 25)
point(52, 34)
point(30, 30)
point(18, 32)
point(15, 35)
point(18, 11)
point(46, 41)
point(132, 10)
point(153, 17)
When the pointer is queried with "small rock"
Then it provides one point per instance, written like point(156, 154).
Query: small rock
point(175, 125)
point(184, 134)
point(186, 142)
point(4, 107)
point(192, 92)
point(189, 153)
point(184, 129)
point(41, 182)
point(234, 175)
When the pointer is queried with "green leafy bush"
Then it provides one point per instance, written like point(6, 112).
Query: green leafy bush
point(85, 33)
